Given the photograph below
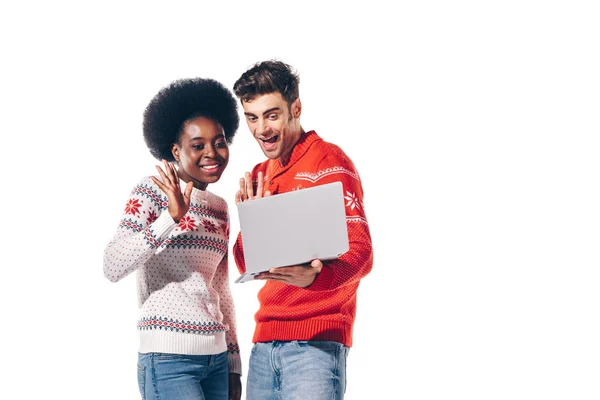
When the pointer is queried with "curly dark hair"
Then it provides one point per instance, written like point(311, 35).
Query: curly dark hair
point(268, 77)
point(181, 101)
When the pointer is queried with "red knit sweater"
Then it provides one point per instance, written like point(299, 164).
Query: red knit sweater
point(326, 309)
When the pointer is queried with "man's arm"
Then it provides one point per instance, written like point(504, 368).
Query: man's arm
point(358, 260)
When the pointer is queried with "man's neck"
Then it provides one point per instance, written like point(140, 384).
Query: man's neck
point(285, 158)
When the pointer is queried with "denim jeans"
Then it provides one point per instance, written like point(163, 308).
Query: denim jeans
point(302, 370)
point(183, 377)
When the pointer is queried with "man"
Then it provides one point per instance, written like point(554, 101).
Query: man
point(304, 323)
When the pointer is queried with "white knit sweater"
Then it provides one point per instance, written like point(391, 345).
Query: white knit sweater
point(182, 273)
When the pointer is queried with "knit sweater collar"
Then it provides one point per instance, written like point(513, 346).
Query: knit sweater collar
point(300, 148)
point(197, 194)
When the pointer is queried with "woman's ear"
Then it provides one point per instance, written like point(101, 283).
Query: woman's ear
point(175, 151)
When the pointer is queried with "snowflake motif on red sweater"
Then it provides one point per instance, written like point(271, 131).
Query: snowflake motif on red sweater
point(133, 207)
point(187, 223)
point(210, 226)
point(352, 201)
point(151, 217)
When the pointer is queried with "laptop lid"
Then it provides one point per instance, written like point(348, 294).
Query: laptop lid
point(293, 228)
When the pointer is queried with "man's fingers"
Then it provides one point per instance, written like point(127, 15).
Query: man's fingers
point(249, 189)
point(242, 190)
point(289, 271)
point(259, 186)
point(273, 277)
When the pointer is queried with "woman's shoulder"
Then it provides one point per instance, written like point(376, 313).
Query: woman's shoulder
point(146, 184)
point(147, 181)
point(146, 188)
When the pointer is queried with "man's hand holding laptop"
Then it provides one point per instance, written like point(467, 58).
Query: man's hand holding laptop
point(297, 275)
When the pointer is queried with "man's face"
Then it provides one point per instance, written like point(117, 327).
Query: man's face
point(274, 124)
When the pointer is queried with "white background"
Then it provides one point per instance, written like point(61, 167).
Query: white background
point(474, 126)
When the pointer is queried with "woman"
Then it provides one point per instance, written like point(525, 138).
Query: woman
point(175, 234)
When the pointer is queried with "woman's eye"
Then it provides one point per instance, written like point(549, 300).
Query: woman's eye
point(198, 147)
point(221, 144)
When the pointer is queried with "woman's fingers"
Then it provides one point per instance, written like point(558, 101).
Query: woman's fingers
point(175, 175)
point(169, 180)
point(170, 174)
point(159, 183)
point(164, 178)
point(188, 191)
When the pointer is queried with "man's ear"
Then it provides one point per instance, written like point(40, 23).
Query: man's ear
point(296, 108)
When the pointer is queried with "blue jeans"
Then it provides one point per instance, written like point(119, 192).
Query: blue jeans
point(302, 370)
point(182, 377)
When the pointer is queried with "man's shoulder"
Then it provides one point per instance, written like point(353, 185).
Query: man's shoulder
point(330, 154)
point(331, 149)
point(323, 162)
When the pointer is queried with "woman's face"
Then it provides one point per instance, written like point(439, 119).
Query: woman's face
point(202, 152)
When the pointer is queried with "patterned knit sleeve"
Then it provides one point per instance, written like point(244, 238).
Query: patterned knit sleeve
point(221, 284)
point(142, 229)
point(358, 260)
point(238, 254)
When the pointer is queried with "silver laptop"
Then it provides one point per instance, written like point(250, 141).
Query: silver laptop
point(293, 228)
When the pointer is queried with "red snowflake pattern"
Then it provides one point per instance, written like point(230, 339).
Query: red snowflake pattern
point(209, 226)
point(151, 217)
point(133, 207)
point(187, 223)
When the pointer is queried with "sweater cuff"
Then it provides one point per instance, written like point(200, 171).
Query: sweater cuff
point(163, 225)
point(238, 254)
point(235, 362)
point(323, 281)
